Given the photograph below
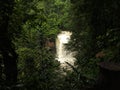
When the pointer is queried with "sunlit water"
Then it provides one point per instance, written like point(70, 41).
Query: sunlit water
point(64, 55)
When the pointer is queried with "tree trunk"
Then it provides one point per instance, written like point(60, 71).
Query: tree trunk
point(6, 47)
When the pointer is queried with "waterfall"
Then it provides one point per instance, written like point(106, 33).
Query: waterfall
point(64, 55)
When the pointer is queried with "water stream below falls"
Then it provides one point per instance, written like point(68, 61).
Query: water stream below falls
point(64, 55)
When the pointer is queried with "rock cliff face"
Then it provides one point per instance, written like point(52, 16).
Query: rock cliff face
point(109, 77)
point(50, 45)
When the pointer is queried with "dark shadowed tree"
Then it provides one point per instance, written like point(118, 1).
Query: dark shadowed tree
point(7, 50)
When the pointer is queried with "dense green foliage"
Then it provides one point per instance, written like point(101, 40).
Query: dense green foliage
point(28, 27)
point(36, 26)
point(95, 34)
point(37, 63)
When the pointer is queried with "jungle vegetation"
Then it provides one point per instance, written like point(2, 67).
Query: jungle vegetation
point(26, 63)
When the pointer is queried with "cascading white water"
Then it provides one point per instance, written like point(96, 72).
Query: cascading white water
point(64, 55)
